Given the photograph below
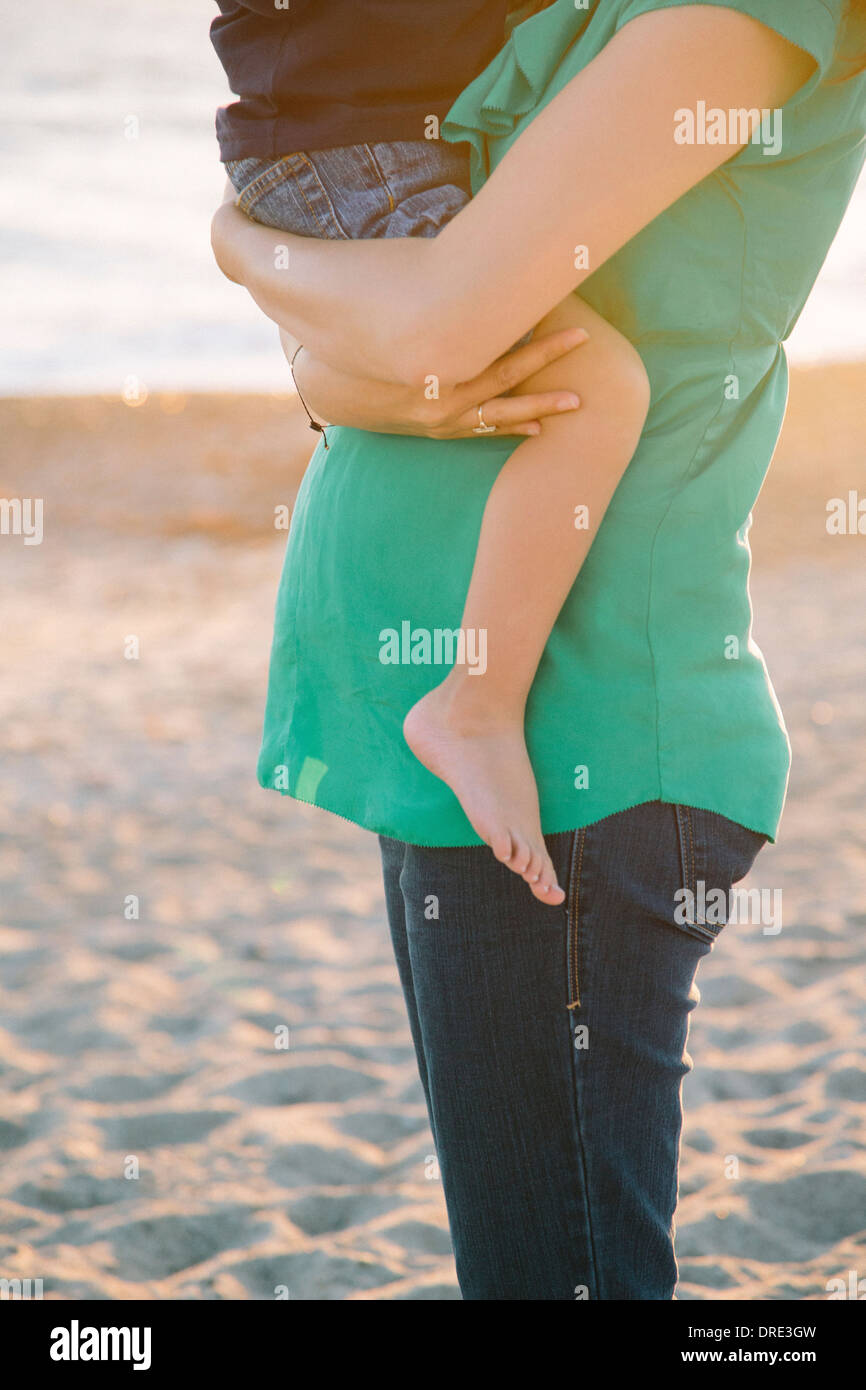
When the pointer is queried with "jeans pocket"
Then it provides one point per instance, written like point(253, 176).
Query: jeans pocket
point(715, 853)
point(288, 194)
point(242, 172)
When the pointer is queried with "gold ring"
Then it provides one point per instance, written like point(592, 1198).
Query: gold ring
point(482, 427)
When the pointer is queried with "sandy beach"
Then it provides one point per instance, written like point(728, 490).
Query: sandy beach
point(166, 926)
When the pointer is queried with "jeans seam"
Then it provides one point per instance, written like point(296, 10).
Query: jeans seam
point(402, 884)
point(688, 864)
point(577, 849)
point(571, 946)
point(693, 881)
point(311, 172)
point(271, 177)
point(262, 183)
point(581, 1154)
point(687, 849)
point(380, 171)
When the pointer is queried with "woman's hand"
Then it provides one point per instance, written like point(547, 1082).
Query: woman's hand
point(334, 397)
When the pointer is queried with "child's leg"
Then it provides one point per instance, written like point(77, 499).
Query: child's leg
point(469, 729)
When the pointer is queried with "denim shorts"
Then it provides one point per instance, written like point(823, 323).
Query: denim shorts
point(356, 192)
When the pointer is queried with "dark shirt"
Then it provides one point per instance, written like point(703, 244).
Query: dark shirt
point(323, 73)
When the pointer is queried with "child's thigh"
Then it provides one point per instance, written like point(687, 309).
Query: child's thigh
point(355, 192)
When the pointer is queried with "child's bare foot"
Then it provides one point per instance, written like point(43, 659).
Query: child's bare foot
point(486, 765)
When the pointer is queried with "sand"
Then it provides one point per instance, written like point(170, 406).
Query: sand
point(158, 1141)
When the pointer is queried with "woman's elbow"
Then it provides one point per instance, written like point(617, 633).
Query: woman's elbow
point(429, 357)
point(433, 347)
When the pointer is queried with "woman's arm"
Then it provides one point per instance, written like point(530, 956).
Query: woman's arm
point(393, 408)
point(596, 165)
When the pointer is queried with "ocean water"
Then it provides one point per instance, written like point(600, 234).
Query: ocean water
point(109, 174)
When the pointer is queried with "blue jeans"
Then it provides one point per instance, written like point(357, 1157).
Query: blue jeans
point(551, 1044)
point(396, 189)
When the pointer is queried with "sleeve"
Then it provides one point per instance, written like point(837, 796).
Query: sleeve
point(813, 25)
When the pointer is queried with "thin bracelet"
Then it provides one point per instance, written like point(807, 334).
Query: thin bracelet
point(314, 424)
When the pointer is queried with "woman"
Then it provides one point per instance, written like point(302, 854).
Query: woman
point(551, 1040)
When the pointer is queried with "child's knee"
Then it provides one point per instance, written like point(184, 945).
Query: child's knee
point(608, 367)
point(616, 392)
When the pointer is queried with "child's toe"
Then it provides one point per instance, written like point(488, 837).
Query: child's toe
point(533, 871)
point(522, 856)
point(502, 846)
point(550, 889)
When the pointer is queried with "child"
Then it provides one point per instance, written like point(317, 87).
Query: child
point(331, 139)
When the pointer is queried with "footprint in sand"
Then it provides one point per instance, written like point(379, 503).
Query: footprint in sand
point(815, 1209)
point(711, 1276)
point(380, 1126)
point(791, 1221)
point(806, 1032)
point(777, 1138)
point(164, 1245)
point(849, 1083)
point(310, 1276)
point(124, 1089)
point(420, 1236)
point(71, 1032)
point(320, 1214)
point(77, 1192)
point(294, 1085)
point(709, 1083)
point(430, 1293)
point(134, 1132)
point(730, 991)
point(310, 1165)
point(12, 1135)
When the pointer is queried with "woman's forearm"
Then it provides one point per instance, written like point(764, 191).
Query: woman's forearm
point(333, 395)
point(299, 284)
point(590, 171)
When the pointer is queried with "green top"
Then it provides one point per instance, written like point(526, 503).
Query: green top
point(651, 686)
